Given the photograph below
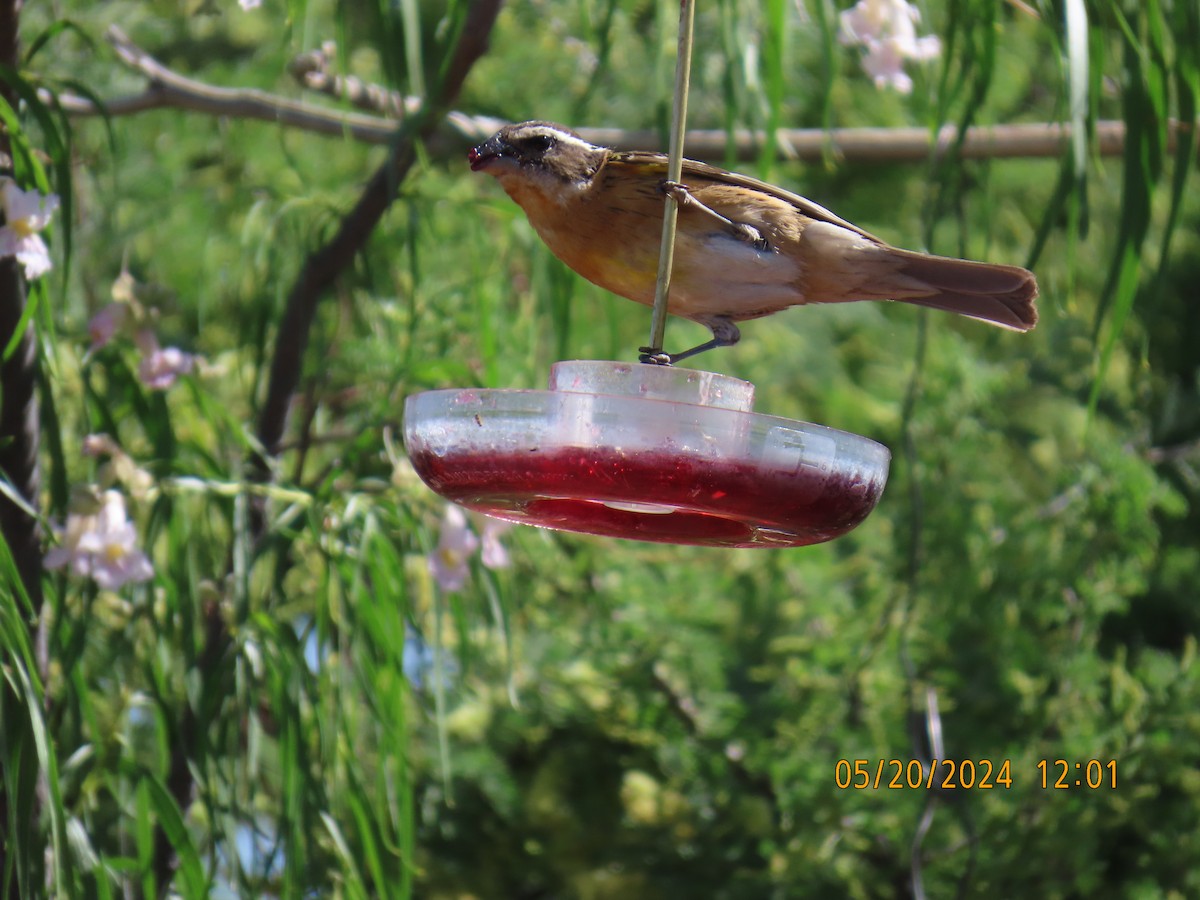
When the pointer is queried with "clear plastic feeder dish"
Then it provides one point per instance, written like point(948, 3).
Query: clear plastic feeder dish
point(645, 452)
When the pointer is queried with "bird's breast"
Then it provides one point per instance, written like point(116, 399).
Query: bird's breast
point(610, 245)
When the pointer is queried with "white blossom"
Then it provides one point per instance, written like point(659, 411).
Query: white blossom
point(25, 214)
point(160, 366)
point(456, 543)
point(99, 542)
point(887, 29)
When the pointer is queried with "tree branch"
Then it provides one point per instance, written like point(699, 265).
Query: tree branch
point(312, 71)
point(20, 434)
point(20, 438)
point(168, 89)
point(320, 271)
point(325, 265)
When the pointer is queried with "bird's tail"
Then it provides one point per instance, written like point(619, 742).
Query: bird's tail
point(1002, 295)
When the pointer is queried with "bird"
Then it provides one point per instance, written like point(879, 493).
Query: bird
point(743, 248)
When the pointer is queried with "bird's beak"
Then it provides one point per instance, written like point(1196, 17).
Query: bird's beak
point(482, 156)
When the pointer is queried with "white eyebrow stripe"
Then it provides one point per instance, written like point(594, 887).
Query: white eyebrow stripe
point(561, 136)
point(571, 139)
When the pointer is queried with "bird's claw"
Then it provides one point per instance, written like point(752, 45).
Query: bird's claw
point(740, 230)
point(751, 235)
point(654, 356)
point(676, 190)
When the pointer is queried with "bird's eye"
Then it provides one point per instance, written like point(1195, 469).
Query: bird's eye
point(539, 143)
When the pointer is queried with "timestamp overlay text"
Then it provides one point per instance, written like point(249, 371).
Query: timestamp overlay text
point(977, 774)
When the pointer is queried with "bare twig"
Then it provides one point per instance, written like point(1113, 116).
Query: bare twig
point(312, 71)
point(168, 89)
point(870, 144)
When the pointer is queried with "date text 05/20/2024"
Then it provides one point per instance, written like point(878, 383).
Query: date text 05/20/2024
point(966, 774)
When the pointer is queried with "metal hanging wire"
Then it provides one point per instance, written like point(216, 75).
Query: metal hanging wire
point(666, 254)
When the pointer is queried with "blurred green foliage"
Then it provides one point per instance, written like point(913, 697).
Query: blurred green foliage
point(608, 719)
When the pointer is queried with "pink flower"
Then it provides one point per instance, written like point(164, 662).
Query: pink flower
point(159, 370)
point(887, 28)
point(456, 543)
point(160, 367)
point(25, 214)
point(99, 542)
point(105, 324)
point(448, 563)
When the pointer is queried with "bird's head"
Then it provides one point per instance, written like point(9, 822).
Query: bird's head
point(542, 156)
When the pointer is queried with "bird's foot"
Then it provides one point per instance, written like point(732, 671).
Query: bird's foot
point(740, 230)
point(725, 334)
point(677, 191)
point(653, 356)
point(751, 236)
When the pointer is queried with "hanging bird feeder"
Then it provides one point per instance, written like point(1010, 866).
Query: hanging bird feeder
point(652, 453)
point(647, 452)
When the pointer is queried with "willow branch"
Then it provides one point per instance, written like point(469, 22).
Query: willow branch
point(312, 70)
point(878, 145)
point(320, 271)
point(167, 89)
point(325, 265)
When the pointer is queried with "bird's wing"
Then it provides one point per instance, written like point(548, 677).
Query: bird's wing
point(656, 161)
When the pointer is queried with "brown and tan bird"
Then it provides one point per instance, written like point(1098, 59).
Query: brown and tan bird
point(743, 249)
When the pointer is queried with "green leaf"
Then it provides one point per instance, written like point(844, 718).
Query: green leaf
point(54, 30)
point(354, 880)
point(157, 808)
